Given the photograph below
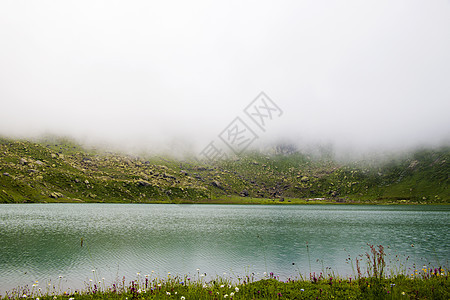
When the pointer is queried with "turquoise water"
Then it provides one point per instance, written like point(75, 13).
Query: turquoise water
point(43, 241)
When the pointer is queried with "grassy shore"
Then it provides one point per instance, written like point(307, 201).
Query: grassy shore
point(370, 281)
point(428, 284)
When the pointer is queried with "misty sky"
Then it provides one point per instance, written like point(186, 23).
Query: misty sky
point(176, 73)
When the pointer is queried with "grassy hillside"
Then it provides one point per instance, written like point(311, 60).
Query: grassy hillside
point(59, 170)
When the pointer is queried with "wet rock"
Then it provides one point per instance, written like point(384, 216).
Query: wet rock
point(23, 161)
point(38, 162)
point(6, 174)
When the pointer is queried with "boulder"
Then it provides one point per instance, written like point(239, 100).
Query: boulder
point(56, 195)
point(244, 193)
point(304, 179)
point(216, 184)
point(143, 183)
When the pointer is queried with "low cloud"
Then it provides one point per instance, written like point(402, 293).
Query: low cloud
point(171, 76)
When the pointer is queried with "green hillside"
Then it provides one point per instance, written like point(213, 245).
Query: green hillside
point(59, 170)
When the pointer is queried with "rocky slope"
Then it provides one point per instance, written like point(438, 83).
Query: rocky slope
point(59, 170)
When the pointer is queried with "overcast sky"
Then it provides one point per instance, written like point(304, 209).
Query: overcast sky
point(174, 74)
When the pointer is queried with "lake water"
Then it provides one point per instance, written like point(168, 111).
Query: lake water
point(43, 241)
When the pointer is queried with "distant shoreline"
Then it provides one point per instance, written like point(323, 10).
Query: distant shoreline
point(251, 201)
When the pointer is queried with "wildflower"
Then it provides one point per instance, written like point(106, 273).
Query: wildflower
point(37, 299)
point(24, 295)
point(403, 293)
point(302, 290)
point(147, 275)
point(138, 273)
point(392, 284)
point(198, 270)
point(93, 270)
point(222, 286)
point(159, 284)
point(236, 289)
point(205, 286)
point(139, 291)
point(225, 296)
point(231, 294)
point(71, 298)
point(168, 293)
point(60, 276)
point(182, 298)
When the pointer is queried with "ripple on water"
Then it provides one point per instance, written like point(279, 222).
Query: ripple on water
point(41, 242)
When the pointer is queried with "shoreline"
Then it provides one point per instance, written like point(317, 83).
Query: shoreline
point(250, 201)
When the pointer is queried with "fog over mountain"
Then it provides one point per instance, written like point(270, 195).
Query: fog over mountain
point(172, 75)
